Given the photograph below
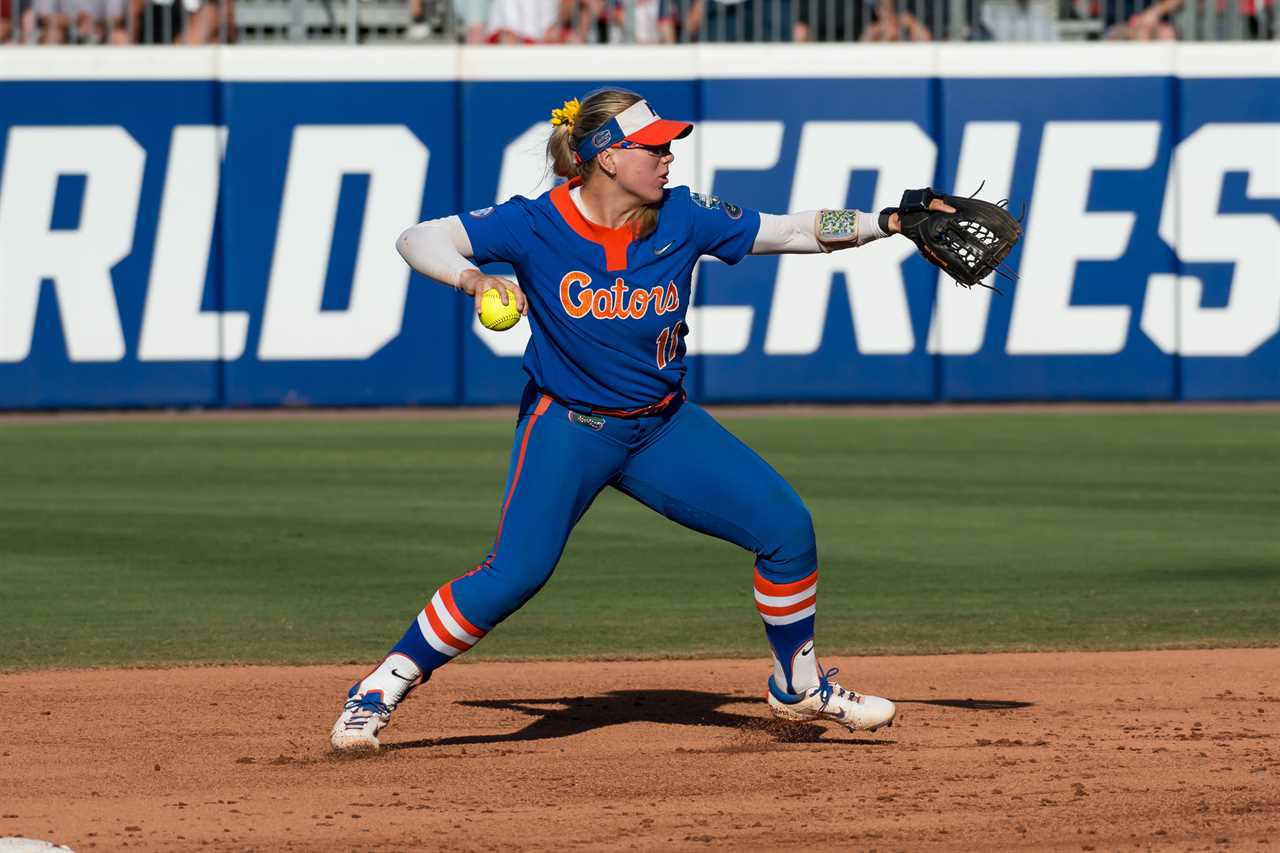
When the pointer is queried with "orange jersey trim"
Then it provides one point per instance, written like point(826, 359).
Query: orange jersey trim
point(614, 240)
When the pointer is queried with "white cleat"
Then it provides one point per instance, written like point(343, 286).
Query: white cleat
point(363, 716)
point(830, 701)
point(370, 702)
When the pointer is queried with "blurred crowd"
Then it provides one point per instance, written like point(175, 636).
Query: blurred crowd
point(675, 21)
point(647, 21)
point(680, 21)
point(119, 22)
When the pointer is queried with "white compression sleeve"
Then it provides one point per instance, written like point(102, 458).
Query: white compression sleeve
point(437, 248)
point(788, 233)
point(796, 233)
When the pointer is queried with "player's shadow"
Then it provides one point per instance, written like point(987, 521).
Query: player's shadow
point(573, 715)
point(969, 704)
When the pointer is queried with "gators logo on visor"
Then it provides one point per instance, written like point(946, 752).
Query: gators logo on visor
point(602, 138)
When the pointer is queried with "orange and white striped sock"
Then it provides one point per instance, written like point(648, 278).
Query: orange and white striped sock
point(439, 633)
point(789, 610)
point(444, 627)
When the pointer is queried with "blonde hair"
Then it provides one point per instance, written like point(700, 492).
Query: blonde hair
point(596, 109)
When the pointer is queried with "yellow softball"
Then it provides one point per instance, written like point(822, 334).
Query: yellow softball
point(494, 315)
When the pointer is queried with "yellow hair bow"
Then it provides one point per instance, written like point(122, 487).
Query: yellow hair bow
point(567, 114)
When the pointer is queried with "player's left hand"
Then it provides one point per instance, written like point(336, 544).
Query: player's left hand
point(935, 203)
point(968, 238)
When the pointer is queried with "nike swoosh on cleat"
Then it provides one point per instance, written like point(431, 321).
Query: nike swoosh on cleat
point(399, 676)
point(664, 248)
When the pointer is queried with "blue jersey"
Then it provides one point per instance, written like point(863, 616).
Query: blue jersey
point(606, 311)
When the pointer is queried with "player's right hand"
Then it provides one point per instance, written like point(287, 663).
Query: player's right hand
point(475, 283)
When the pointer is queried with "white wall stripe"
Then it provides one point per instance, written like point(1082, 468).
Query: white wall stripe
point(54, 62)
point(713, 61)
point(1227, 59)
point(451, 625)
point(816, 61)
point(585, 63)
point(338, 62)
point(1054, 60)
point(432, 640)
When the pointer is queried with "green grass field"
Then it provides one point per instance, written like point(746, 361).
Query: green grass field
point(299, 540)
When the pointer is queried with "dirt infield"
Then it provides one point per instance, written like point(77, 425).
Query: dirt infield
point(1161, 750)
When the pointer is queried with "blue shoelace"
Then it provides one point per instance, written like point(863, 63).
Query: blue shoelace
point(826, 689)
point(364, 703)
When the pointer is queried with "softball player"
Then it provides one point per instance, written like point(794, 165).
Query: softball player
point(603, 265)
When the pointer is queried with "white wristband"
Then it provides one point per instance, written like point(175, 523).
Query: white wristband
point(868, 228)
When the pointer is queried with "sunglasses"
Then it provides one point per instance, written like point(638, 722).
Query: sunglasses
point(658, 151)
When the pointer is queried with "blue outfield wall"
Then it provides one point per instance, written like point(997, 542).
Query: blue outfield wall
point(216, 227)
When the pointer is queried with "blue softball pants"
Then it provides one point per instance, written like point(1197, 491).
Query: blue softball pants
point(679, 462)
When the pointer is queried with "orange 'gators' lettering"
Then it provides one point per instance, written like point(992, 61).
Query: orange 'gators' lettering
point(620, 299)
point(614, 303)
point(602, 304)
point(639, 302)
point(576, 310)
point(659, 306)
